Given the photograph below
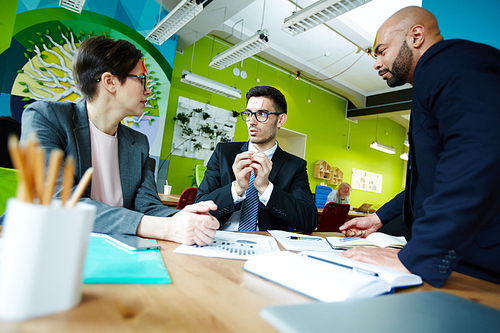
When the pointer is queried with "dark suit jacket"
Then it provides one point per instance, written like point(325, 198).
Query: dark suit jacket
point(451, 200)
point(291, 202)
point(66, 126)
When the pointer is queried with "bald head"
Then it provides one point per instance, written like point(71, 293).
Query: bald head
point(402, 40)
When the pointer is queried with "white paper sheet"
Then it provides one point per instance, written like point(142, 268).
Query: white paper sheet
point(232, 245)
point(297, 242)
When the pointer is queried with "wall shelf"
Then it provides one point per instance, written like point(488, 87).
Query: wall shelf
point(322, 170)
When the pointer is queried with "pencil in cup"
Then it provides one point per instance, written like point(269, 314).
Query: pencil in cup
point(34, 186)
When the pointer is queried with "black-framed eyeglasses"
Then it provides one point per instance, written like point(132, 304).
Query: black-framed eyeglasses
point(260, 115)
point(143, 78)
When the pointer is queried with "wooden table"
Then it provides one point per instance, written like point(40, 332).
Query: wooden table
point(170, 199)
point(206, 295)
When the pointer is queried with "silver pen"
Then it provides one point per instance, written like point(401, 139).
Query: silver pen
point(356, 269)
point(304, 238)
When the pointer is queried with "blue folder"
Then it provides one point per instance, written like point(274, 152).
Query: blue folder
point(107, 263)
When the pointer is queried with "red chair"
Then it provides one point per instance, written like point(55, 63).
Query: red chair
point(333, 216)
point(187, 197)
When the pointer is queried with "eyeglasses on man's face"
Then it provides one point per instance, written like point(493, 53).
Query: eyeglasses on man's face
point(143, 78)
point(260, 115)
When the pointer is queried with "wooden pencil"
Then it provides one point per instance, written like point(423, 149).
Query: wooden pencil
point(39, 172)
point(68, 177)
point(29, 159)
point(55, 159)
point(80, 188)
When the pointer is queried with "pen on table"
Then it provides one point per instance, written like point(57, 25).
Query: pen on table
point(355, 269)
point(347, 239)
point(304, 238)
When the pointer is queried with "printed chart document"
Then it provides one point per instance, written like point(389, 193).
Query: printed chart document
point(297, 242)
point(378, 239)
point(232, 245)
point(327, 277)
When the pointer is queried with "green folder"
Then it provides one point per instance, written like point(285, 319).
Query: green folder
point(107, 263)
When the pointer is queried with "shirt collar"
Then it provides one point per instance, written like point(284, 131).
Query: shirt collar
point(269, 153)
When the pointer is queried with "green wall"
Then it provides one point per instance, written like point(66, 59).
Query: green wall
point(322, 120)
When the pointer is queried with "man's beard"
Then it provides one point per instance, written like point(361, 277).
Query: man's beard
point(401, 67)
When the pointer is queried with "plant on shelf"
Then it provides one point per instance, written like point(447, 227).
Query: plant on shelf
point(198, 146)
point(235, 114)
point(205, 115)
point(207, 130)
point(223, 136)
point(184, 119)
point(198, 110)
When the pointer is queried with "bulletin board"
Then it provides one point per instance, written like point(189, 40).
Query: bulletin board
point(366, 181)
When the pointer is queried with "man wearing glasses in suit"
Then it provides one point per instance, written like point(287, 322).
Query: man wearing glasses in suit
point(255, 184)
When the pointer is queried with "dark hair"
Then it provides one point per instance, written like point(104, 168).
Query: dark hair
point(272, 93)
point(100, 54)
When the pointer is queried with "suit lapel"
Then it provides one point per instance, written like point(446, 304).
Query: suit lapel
point(130, 162)
point(82, 135)
point(277, 163)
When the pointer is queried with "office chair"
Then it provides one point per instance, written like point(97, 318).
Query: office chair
point(199, 172)
point(187, 197)
point(321, 194)
point(333, 216)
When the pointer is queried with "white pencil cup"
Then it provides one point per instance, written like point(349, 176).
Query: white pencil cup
point(41, 258)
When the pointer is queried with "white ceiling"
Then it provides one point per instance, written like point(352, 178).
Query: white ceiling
point(319, 53)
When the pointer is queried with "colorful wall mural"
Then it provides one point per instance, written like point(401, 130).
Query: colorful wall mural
point(45, 38)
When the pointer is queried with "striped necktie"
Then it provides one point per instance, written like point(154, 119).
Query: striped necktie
point(250, 210)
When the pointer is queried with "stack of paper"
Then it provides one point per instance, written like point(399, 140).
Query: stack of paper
point(298, 242)
point(377, 239)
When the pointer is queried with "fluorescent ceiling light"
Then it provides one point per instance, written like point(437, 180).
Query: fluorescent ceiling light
point(242, 50)
point(73, 5)
point(178, 17)
point(407, 143)
point(404, 156)
point(385, 148)
point(318, 13)
point(210, 85)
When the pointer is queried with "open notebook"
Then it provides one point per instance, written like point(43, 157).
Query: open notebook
point(327, 277)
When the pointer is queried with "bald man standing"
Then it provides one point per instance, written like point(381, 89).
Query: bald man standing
point(451, 200)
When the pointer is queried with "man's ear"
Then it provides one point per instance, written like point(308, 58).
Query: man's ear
point(417, 36)
point(109, 82)
point(281, 120)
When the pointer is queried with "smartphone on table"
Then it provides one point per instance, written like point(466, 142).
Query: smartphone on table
point(132, 242)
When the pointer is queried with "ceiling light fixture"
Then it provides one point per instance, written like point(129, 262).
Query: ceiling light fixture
point(73, 5)
point(210, 85)
point(298, 76)
point(407, 143)
point(318, 13)
point(242, 50)
point(404, 156)
point(384, 148)
point(178, 17)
